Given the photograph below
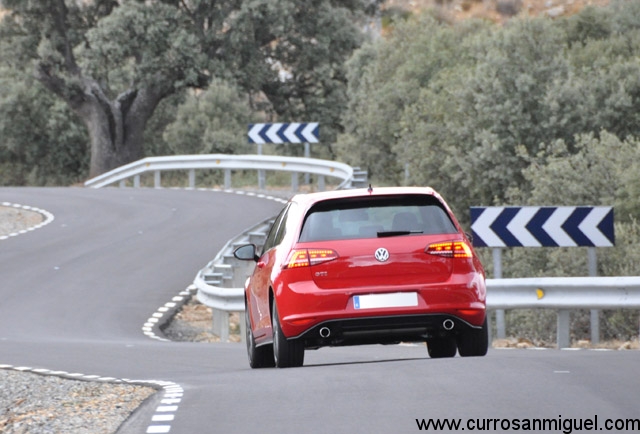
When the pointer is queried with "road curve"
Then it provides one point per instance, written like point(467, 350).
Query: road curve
point(75, 294)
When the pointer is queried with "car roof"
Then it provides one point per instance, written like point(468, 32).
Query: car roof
point(309, 199)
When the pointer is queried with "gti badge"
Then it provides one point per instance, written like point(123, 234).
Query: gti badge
point(382, 254)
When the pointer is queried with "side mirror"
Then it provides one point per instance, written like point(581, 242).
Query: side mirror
point(246, 253)
point(469, 236)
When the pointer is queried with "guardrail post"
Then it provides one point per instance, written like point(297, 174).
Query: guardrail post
point(594, 314)
point(156, 179)
point(123, 183)
point(192, 178)
point(563, 328)
point(136, 181)
point(595, 326)
point(221, 324)
point(261, 179)
point(243, 327)
point(500, 324)
point(227, 179)
point(321, 185)
point(497, 274)
point(294, 182)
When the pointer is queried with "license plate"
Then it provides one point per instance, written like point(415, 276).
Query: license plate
point(396, 299)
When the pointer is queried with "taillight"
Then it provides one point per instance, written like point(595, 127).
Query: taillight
point(450, 249)
point(307, 257)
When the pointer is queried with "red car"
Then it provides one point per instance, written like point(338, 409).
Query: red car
point(365, 266)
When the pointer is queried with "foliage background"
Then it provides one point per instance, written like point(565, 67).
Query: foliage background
point(537, 111)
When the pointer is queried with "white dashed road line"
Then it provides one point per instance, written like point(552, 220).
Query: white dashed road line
point(164, 412)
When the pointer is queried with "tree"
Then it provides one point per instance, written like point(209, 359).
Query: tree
point(386, 78)
point(210, 122)
point(500, 105)
point(113, 61)
point(85, 52)
point(602, 170)
point(41, 141)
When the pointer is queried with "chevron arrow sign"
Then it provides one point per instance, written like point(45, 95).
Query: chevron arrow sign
point(533, 226)
point(294, 132)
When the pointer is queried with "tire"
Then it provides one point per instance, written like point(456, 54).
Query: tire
point(259, 357)
point(441, 347)
point(474, 342)
point(286, 353)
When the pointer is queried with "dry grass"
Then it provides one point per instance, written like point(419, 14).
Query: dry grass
point(497, 11)
point(194, 322)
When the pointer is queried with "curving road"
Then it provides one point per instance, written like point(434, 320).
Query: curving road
point(76, 293)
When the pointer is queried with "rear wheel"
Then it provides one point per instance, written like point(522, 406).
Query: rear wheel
point(474, 342)
point(441, 347)
point(286, 353)
point(259, 357)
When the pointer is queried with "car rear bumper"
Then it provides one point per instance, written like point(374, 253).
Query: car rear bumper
point(304, 308)
point(383, 330)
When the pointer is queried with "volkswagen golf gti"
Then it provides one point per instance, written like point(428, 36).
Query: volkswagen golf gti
point(364, 266)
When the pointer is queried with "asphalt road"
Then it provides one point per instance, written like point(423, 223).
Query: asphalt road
point(76, 293)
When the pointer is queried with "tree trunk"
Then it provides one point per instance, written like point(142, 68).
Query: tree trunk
point(116, 128)
point(110, 148)
point(106, 144)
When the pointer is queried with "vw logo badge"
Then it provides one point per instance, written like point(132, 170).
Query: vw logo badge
point(382, 254)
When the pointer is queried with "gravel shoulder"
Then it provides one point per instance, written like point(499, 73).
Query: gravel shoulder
point(34, 403)
point(13, 219)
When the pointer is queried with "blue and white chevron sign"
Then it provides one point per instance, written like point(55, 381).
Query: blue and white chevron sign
point(294, 132)
point(546, 226)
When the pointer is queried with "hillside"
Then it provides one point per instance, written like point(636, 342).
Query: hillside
point(497, 11)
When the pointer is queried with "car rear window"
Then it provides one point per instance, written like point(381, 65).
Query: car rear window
point(373, 217)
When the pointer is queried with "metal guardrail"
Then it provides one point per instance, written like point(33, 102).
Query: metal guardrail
point(564, 294)
point(221, 282)
point(227, 163)
point(221, 286)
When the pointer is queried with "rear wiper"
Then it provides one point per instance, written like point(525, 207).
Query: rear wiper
point(382, 234)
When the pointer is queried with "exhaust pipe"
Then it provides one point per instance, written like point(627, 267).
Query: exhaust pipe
point(448, 324)
point(325, 332)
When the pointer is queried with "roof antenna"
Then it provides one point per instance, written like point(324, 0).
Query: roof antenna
point(370, 189)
